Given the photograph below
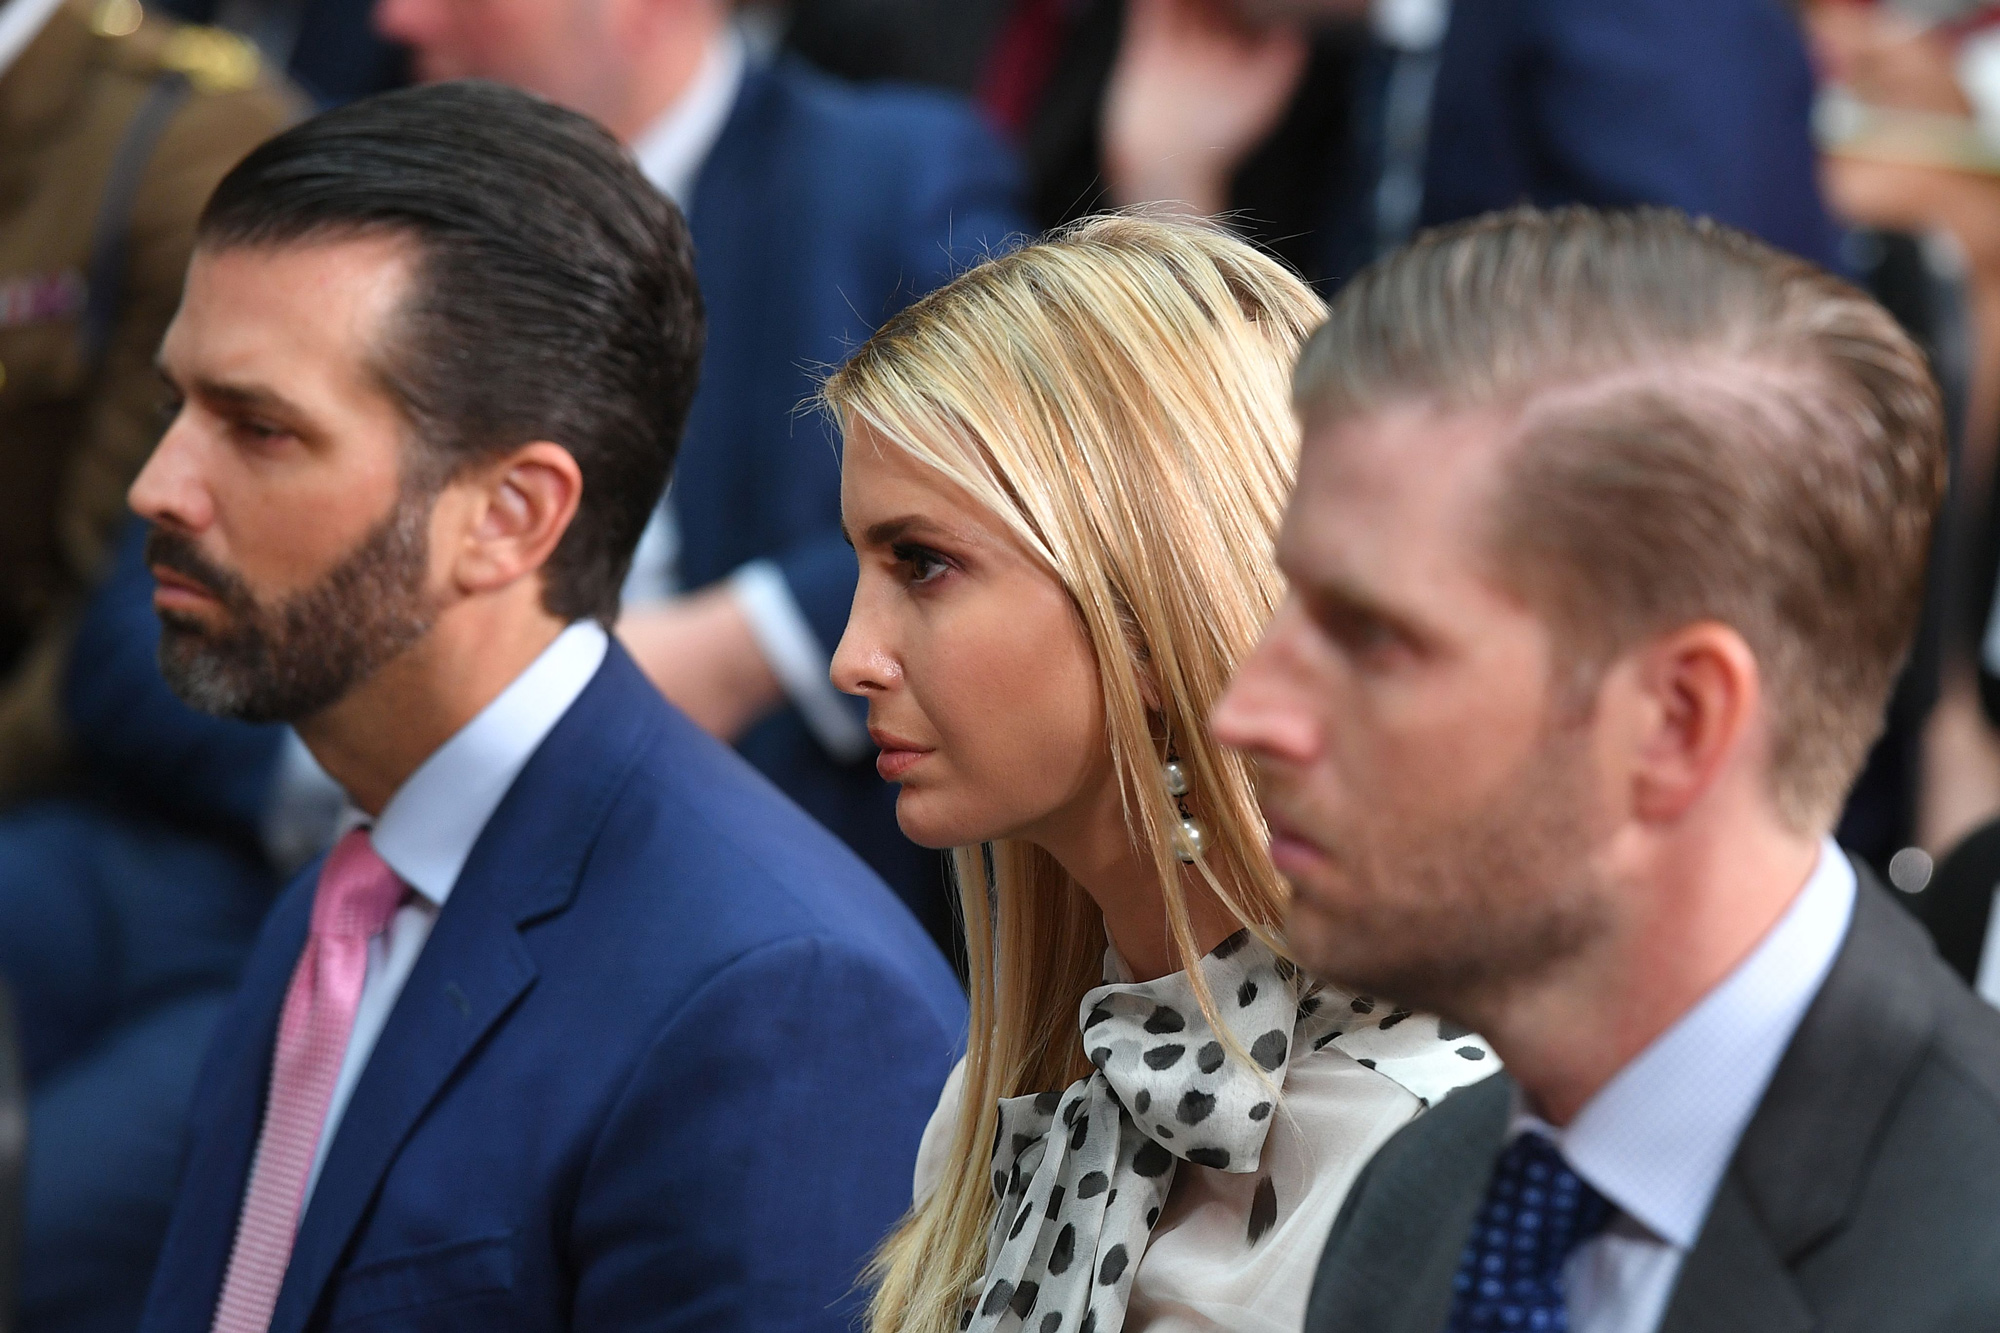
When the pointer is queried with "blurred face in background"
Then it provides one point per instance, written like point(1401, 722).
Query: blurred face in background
point(573, 52)
point(1433, 800)
point(982, 688)
point(289, 553)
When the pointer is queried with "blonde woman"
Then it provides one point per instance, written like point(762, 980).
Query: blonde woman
point(1062, 476)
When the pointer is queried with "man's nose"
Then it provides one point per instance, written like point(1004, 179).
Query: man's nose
point(1265, 712)
point(170, 489)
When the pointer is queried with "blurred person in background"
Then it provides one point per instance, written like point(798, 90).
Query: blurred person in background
point(120, 935)
point(1910, 121)
point(1906, 154)
point(1063, 474)
point(113, 129)
point(1329, 130)
point(818, 209)
point(941, 43)
point(328, 46)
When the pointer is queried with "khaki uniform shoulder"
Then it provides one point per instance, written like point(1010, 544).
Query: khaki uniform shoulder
point(214, 60)
point(79, 402)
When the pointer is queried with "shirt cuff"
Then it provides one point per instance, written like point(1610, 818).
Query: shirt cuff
point(797, 659)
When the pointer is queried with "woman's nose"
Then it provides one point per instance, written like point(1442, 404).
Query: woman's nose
point(862, 663)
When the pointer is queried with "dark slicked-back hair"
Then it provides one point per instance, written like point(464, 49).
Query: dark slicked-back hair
point(553, 295)
point(1706, 429)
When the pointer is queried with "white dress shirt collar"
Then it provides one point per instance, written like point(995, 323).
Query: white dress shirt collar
point(1658, 1137)
point(21, 21)
point(429, 826)
point(672, 149)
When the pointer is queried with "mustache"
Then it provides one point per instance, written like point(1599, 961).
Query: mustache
point(171, 550)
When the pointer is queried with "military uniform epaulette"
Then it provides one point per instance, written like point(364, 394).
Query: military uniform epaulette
point(213, 60)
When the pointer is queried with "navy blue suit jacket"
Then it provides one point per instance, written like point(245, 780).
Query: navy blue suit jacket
point(1704, 105)
point(663, 1064)
point(822, 209)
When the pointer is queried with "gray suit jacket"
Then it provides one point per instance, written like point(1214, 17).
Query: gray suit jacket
point(1864, 1196)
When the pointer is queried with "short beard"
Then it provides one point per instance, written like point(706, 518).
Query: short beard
point(294, 657)
point(1451, 918)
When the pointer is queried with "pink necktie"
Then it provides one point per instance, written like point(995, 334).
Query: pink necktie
point(357, 895)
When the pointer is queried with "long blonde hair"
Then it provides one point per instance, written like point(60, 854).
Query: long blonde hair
point(1119, 394)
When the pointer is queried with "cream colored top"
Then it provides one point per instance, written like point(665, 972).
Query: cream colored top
point(1203, 1268)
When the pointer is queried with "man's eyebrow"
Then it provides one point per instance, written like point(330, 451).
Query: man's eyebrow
point(1338, 592)
point(1342, 597)
point(243, 397)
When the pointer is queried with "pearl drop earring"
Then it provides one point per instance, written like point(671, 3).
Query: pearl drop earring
point(1190, 839)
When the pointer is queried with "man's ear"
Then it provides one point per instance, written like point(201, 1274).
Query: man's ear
point(1699, 694)
point(516, 509)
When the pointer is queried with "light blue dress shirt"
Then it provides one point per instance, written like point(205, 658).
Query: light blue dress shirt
point(1658, 1137)
point(429, 826)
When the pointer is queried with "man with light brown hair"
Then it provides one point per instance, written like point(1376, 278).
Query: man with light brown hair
point(1607, 546)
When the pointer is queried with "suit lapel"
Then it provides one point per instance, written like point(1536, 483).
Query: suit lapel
point(1389, 1262)
point(475, 967)
point(1735, 1281)
point(1799, 1169)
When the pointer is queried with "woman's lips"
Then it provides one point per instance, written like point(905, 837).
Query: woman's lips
point(893, 764)
point(898, 755)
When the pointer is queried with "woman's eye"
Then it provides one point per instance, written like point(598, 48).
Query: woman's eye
point(924, 565)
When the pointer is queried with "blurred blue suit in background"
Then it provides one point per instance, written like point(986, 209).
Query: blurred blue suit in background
point(822, 209)
point(126, 913)
point(1476, 105)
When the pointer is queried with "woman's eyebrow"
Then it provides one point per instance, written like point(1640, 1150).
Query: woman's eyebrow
point(891, 530)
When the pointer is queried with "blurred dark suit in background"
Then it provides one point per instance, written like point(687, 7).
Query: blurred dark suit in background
point(1407, 115)
point(126, 912)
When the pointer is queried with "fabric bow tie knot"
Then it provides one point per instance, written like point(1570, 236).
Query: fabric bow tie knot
point(1172, 1073)
point(1082, 1174)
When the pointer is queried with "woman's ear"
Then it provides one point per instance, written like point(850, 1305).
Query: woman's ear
point(1149, 690)
point(519, 507)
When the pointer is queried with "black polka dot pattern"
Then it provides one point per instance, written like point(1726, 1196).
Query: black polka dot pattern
point(1082, 1175)
point(1263, 1210)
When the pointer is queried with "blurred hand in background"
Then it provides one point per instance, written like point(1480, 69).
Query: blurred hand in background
point(1196, 86)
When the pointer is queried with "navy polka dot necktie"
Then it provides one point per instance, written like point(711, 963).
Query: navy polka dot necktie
point(1537, 1211)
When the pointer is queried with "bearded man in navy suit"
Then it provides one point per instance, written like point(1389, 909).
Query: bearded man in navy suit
point(585, 1026)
